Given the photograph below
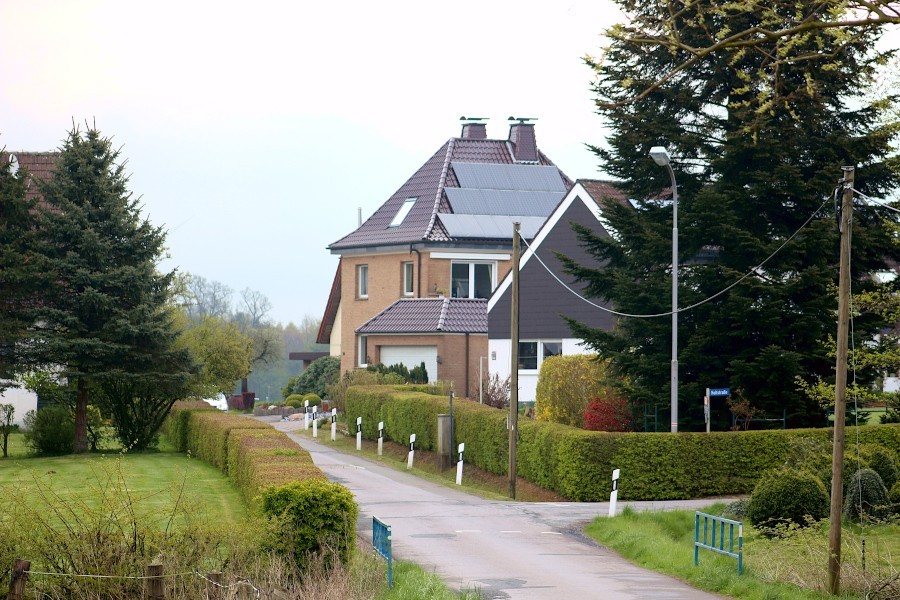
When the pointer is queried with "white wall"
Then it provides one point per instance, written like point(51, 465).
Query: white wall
point(22, 399)
point(499, 361)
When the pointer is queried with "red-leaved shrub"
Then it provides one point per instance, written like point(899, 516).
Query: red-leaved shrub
point(607, 412)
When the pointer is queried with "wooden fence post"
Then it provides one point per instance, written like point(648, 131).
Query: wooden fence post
point(213, 585)
point(154, 588)
point(19, 577)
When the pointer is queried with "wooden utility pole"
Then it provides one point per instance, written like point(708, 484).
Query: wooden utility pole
point(514, 366)
point(840, 388)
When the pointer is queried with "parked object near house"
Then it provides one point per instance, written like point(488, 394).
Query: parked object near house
point(445, 234)
point(542, 299)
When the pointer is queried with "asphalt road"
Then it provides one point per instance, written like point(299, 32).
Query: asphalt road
point(515, 550)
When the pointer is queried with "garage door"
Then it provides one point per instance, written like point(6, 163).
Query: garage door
point(411, 357)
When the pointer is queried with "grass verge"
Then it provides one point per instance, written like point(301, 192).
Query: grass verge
point(774, 568)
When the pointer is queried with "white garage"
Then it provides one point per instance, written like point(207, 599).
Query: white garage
point(411, 357)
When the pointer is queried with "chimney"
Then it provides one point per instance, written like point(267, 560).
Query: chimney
point(521, 138)
point(474, 131)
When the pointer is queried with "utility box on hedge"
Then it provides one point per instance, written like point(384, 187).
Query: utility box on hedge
point(444, 443)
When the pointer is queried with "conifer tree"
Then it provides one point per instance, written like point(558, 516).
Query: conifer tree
point(20, 270)
point(747, 180)
point(109, 328)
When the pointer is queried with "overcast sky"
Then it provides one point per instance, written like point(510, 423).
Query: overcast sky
point(254, 130)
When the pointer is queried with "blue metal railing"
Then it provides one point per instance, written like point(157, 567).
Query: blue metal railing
point(716, 542)
point(381, 540)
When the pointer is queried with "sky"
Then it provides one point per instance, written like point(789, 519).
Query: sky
point(254, 132)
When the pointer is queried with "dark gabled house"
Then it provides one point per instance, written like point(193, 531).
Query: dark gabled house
point(542, 299)
point(446, 233)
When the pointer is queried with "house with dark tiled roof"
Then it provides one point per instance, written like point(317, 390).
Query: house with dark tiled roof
point(37, 166)
point(446, 234)
point(547, 293)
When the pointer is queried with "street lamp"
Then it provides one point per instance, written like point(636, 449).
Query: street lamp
point(661, 157)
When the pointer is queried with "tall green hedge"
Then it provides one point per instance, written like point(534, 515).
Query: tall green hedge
point(275, 475)
point(578, 464)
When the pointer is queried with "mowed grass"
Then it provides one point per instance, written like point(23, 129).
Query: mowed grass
point(664, 542)
point(156, 481)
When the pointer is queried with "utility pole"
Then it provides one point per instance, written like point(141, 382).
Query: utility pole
point(514, 365)
point(840, 388)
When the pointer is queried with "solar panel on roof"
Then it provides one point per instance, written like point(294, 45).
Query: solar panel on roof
point(490, 226)
point(487, 176)
point(503, 202)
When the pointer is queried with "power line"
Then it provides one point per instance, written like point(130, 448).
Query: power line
point(879, 202)
point(692, 306)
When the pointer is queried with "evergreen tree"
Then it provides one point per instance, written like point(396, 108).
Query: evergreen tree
point(748, 179)
point(21, 274)
point(110, 326)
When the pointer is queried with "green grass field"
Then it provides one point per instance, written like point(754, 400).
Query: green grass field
point(774, 568)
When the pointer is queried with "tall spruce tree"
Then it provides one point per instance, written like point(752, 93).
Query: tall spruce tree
point(109, 328)
point(21, 274)
point(748, 179)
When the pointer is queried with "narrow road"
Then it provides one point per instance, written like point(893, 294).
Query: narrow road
point(515, 550)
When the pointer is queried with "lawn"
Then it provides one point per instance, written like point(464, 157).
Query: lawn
point(774, 568)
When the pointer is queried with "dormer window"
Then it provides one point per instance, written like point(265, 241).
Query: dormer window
point(404, 210)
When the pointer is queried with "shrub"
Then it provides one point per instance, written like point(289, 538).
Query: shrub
point(565, 386)
point(894, 497)
point(313, 399)
point(882, 463)
point(866, 496)
point(610, 412)
point(495, 392)
point(319, 374)
point(294, 401)
point(311, 515)
point(419, 374)
point(50, 430)
point(787, 496)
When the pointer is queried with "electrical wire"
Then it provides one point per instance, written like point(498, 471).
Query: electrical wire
point(878, 201)
point(686, 308)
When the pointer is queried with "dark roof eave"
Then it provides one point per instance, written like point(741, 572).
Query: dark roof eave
point(463, 243)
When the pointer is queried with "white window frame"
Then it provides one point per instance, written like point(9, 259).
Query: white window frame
point(362, 281)
point(540, 352)
point(409, 281)
point(491, 263)
point(362, 351)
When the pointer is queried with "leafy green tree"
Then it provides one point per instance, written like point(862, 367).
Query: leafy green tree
point(748, 180)
point(320, 373)
point(224, 354)
point(110, 323)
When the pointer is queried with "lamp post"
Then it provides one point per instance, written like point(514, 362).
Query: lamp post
point(661, 157)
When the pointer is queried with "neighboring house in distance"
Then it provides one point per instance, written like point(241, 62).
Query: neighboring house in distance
point(542, 299)
point(445, 234)
point(39, 166)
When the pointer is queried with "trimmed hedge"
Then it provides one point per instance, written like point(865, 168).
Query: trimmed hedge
point(578, 464)
point(275, 475)
point(787, 496)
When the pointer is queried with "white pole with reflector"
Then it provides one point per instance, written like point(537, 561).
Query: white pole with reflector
point(459, 465)
point(380, 437)
point(333, 424)
point(614, 494)
point(359, 433)
point(412, 451)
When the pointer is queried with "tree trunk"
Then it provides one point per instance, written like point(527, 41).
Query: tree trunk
point(81, 402)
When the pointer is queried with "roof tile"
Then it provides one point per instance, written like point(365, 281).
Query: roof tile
point(430, 315)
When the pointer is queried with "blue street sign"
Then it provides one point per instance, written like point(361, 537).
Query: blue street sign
point(719, 391)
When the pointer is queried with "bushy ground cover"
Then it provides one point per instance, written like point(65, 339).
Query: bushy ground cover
point(789, 566)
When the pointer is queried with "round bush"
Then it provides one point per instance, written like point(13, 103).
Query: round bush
point(852, 463)
point(313, 399)
point(786, 495)
point(294, 401)
point(50, 430)
point(866, 495)
point(882, 463)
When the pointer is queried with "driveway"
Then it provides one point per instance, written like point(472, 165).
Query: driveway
point(516, 550)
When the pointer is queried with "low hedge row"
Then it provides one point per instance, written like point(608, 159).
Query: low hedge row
point(276, 477)
point(578, 464)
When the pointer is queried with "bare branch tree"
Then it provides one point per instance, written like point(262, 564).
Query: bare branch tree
point(256, 306)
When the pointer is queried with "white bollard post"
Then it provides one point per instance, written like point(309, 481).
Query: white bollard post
point(358, 433)
point(412, 451)
point(380, 437)
point(306, 415)
point(333, 424)
point(315, 420)
point(614, 494)
point(459, 465)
